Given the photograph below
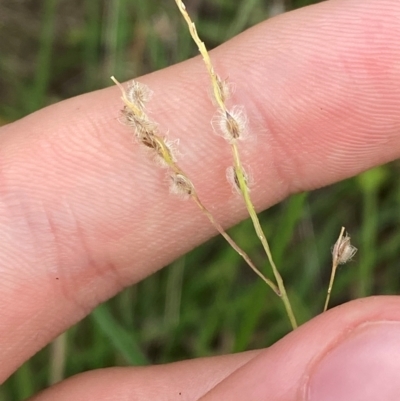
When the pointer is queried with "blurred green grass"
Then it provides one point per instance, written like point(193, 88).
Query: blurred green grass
point(207, 302)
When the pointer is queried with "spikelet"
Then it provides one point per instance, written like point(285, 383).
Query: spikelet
point(146, 131)
point(181, 185)
point(233, 179)
point(342, 252)
point(231, 124)
point(138, 94)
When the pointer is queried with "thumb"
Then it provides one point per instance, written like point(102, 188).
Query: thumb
point(351, 353)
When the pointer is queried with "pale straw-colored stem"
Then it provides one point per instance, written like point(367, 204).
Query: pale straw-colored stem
point(335, 263)
point(203, 51)
point(219, 98)
point(58, 354)
point(260, 233)
point(233, 244)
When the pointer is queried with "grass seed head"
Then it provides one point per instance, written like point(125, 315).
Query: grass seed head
point(233, 179)
point(165, 152)
point(138, 94)
point(224, 89)
point(343, 251)
point(181, 185)
point(140, 123)
point(231, 124)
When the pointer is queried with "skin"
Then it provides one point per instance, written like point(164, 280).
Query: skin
point(83, 213)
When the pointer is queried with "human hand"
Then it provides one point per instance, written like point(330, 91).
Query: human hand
point(83, 214)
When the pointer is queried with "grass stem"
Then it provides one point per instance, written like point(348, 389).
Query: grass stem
point(233, 131)
point(260, 233)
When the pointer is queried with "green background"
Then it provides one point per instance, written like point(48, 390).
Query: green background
point(208, 302)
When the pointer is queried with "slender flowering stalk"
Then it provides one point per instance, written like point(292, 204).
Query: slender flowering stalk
point(232, 125)
point(148, 136)
point(342, 252)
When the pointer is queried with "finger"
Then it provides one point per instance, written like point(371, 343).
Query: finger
point(184, 381)
point(83, 212)
point(351, 353)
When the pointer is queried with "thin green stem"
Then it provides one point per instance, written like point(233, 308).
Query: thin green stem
point(220, 99)
point(332, 279)
point(259, 231)
point(233, 244)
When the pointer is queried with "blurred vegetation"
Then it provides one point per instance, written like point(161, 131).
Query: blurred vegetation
point(208, 302)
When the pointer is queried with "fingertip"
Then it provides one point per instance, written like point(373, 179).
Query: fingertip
point(364, 366)
point(333, 354)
